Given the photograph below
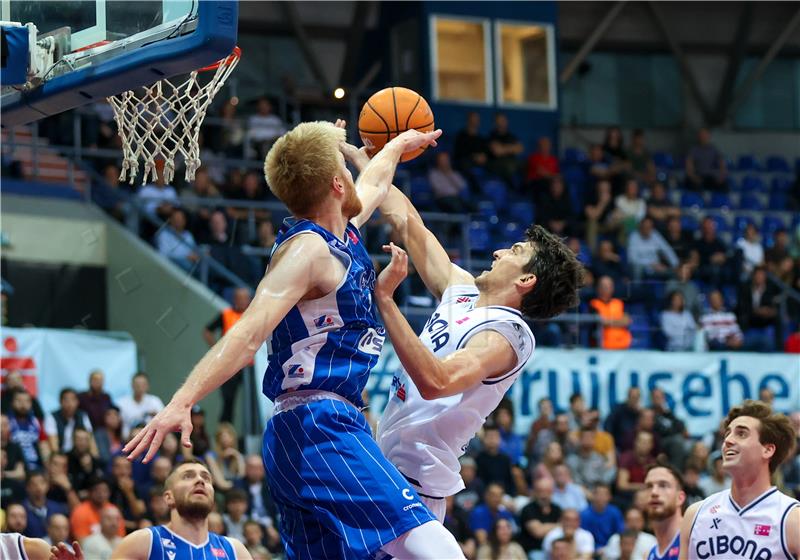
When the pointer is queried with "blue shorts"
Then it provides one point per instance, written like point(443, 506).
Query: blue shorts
point(338, 496)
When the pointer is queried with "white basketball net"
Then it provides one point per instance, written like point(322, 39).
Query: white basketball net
point(158, 121)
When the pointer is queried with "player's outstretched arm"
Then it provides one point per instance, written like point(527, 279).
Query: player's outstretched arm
point(487, 354)
point(241, 551)
point(686, 529)
point(303, 264)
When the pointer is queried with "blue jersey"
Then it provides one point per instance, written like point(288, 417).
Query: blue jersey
point(330, 343)
point(166, 545)
point(671, 553)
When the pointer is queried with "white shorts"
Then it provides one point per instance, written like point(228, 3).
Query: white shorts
point(438, 506)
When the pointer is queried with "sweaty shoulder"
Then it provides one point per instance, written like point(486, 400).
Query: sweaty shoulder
point(307, 256)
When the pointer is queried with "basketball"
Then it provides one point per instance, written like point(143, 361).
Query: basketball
point(392, 111)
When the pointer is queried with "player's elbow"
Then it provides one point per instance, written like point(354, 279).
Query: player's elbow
point(430, 392)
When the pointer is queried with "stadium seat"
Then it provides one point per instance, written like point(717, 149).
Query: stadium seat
point(722, 223)
point(747, 162)
point(522, 212)
point(663, 160)
point(574, 155)
point(750, 201)
point(720, 200)
point(478, 172)
point(692, 200)
point(512, 232)
point(772, 224)
point(479, 236)
point(496, 192)
point(573, 175)
point(689, 223)
point(752, 183)
point(778, 201)
point(487, 211)
point(781, 184)
point(740, 224)
point(777, 163)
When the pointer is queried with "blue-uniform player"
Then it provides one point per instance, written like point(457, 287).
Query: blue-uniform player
point(337, 495)
point(189, 493)
point(665, 510)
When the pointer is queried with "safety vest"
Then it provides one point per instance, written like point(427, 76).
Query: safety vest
point(229, 318)
point(614, 338)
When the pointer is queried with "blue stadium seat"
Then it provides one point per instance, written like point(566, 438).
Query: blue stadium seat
point(496, 192)
point(478, 172)
point(487, 211)
point(772, 224)
point(782, 184)
point(720, 200)
point(721, 222)
point(752, 183)
point(778, 201)
point(512, 232)
point(573, 175)
point(730, 164)
point(479, 236)
point(692, 200)
point(747, 162)
point(750, 201)
point(574, 155)
point(663, 160)
point(522, 212)
point(740, 224)
point(420, 185)
point(777, 163)
point(689, 223)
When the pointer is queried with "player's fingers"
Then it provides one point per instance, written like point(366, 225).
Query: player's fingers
point(155, 445)
point(186, 433)
point(133, 442)
point(144, 441)
point(341, 123)
point(77, 548)
point(387, 248)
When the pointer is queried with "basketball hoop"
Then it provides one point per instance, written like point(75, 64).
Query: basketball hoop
point(160, 120)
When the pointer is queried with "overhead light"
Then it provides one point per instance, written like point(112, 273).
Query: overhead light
point(338, 93)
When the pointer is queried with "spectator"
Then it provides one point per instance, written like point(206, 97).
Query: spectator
point(623, 418)
point(223, 323)
point(602, 519)
point(757, 311)
point(474, 487)
point(14, 384)
point(486, 514)
point(562, 549)
point(471, 150)
point(609, 263)
point(556, 206)
point(719, 480)
point(123, 493)
point(83, 460)
point(504, 151)
point(235, 515)
point(542, 167)
point(603, 441)
point(37, 507)
point(177, 243)
point(751, 248)
point(16, 519)
point(85, 519)
point(27, 432)
point(567, 494)
point(226, 134)
point(100, 544)
point(649, 255)
point(448, 185)
point(642, 165)
point(110, 194)
point(598, 210)
point(158, 199)
point(95, 401)
point(260, 506)
point(712, 254)
point(660, 208)
point(539, 517)
point(253, 534)
point(681, 241)
point(61, 424)
point(545, 418)
point(552, 457)
point(678, 325)
point(510, 443)
point(632, 543)
point(61, 488)
point(252, 191)
point(705, 165)
point(613, 146)
point(108, 436)
point(266, 240)
point(669, 430)
point(500, 545)
point(598, 166)
point(14, 467)
point(633, 464)
point(577, 408)
point(456, 520)
point(792, 343)
point(629, 208)
point(720, 326)
point(779, 252)
point(559, 433)
point(615, 321)
point(58, 530)
point(158, 512)
point(691, 482)
point(141, 406)
point(687, 287)
point(201, 441)
point(226, 463)
point(263, 128)
point(569, 528)
point(201, 190)
point(588, 467)
point(494, 465)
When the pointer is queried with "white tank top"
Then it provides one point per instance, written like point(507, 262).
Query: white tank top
point(724, 530)
point(425, 438)
point(11, 547)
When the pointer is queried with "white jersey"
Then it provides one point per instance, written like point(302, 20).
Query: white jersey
point(11, 547)
point(425, 438)
point(724, 530)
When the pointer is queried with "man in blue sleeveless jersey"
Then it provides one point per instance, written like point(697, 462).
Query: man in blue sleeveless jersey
point(337, 495)
point(665, 510)
point(189, 493)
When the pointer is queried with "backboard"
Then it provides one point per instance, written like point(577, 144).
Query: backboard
point(105, 47)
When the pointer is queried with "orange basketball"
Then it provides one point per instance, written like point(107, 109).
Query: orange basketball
point(392, 111)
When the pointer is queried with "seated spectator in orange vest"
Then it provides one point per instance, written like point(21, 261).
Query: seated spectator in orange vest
point(616, 335)
point(223, 323)
point(85, 519)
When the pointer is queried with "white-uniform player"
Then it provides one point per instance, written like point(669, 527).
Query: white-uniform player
point(14, 546)
point(752, 520)
point(472, 348)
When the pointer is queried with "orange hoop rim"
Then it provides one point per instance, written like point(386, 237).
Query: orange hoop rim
point(235, 55)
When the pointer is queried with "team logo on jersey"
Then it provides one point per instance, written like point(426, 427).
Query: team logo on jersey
point(724, 546)
point(295, 371)
point(463, 299)
point(762, 530)
point(715, 523)
point(218, 552)
point(167, 543)
point(399, 388)
point(462, 320)
point(407, 494)
point(674, 552)
point(715, 509)
point(353, 237)
point(323, 321)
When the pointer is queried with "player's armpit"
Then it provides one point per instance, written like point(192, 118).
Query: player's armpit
point(686, 528)
point(135, 546)
point(792, 529)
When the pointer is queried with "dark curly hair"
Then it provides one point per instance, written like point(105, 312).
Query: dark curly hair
point(559, 275)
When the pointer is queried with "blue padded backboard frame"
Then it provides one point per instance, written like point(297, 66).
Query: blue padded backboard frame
point(212, 40)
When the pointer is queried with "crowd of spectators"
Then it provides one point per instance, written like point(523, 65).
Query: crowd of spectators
point(571, 487)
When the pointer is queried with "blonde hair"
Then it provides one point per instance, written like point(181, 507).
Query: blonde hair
point(222, 428)
point(301, 164)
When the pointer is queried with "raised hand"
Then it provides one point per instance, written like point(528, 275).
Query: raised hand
point(62, 552)
point(174, 418)
point(392, 276)
point(411, 140)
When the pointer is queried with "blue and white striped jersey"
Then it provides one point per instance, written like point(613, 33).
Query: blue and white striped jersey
point(330, 343)
point(167, 545)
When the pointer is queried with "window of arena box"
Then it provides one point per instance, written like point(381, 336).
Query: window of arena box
point(460, 59)
point(525, 62)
